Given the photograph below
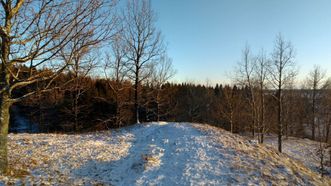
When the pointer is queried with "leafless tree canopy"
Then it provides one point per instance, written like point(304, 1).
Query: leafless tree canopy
point(38, 30)
point(34, 34)
point(143, 43)
point(282, 71)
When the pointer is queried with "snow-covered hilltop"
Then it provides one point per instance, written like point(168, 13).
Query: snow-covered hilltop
point(152, 154)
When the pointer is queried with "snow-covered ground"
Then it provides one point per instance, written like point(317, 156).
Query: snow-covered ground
point(152, 154)
point(303, 150)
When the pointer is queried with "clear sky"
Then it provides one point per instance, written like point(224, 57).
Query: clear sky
point(205, 37)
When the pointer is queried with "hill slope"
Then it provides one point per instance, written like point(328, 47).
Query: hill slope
point(303, 150)
point(149, 154)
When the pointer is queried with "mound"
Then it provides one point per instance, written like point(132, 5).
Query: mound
point(149, 154)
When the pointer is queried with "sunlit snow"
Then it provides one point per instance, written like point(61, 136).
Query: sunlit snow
point(152, 154)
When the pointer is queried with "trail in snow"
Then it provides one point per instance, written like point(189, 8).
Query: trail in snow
point(171, 154)
point(153, 154)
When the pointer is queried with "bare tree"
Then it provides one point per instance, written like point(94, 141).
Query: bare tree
point(326, 110)
point(282, 70)
point(32, 35)
point(245, 78)
point(318, 86)
point(78, 73)
point(322, 148)
point(252, 74)
point(260, 73)
point(116, 71)
point(161, 74)
point(290, 111)
point(327, 120)
point(229, 105)
point(78, 53)
point(143, 41)
point(315, 82)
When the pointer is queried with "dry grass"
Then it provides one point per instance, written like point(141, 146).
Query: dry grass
point(269, 161)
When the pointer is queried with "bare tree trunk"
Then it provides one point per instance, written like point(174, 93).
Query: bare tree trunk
point(76, 107)
point(280, 122)
point(253, 115)
point(316, 81)
point(286, 129)
point(118, 114)
point(328, 131)
point(136, 98)
point(262, 116)
point(314, 111)
point(118, 117)
point(231, 122)
point(321, 149)
point(5, 97)
point(282, 73)
point(4, 124)
point(157, 105)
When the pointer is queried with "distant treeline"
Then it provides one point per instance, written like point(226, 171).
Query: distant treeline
point(100, 107)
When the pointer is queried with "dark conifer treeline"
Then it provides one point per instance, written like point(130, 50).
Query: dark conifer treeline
point(225, 106)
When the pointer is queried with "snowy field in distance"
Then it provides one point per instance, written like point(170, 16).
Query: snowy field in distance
point(152, 154)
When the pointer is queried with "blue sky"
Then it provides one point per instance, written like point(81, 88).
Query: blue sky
point(205, 37)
